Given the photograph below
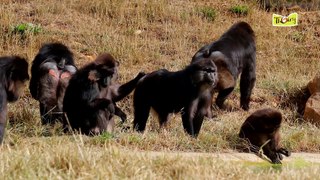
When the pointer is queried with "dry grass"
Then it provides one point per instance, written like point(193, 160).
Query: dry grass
point(75, 158)
point(146, 36)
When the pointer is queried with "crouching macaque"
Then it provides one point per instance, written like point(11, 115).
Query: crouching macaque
point(261, 131)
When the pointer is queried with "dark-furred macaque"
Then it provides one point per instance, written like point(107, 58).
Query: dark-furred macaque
point(261, 130)
point(236, 50)
point(187, 90)
point(13, 75)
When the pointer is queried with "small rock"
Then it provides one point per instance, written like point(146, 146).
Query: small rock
point(314, 84)
point(312, 109)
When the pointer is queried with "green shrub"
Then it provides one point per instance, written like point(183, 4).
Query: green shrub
point(240, 10)
point(24, 28)
point(106, 136)
point(207, 13)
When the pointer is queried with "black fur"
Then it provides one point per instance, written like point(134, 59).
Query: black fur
point(170, 92)
point(90, 98)
point(13, 75)
point(237, 51)
point(51, 70)
point(261, 126)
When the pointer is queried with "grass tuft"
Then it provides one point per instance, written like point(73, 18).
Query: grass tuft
point(240, 10)
point(25, 28)
point(207, 13)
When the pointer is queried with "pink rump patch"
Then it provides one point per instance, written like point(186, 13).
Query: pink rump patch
point(65, 75)
point(53, 73)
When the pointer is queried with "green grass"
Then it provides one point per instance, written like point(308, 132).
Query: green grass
point(240, 10)
point(24, 28)
point(207, 13)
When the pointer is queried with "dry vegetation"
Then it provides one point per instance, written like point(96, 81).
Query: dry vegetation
point(146, 36)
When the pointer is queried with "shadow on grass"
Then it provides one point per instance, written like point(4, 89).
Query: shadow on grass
point(296, 100)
